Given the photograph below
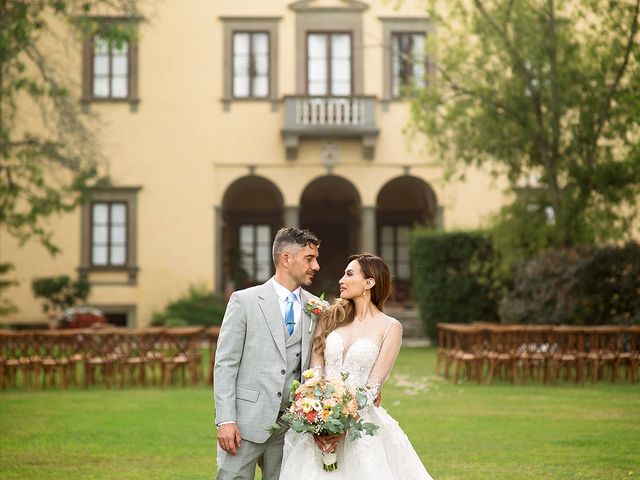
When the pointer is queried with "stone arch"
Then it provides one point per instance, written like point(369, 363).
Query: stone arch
point(330, 207)
point(402, 204)
point(252, 212)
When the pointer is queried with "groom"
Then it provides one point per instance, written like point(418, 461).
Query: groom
point(264, 344)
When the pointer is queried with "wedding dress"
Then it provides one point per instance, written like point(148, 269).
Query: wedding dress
point(367, 350)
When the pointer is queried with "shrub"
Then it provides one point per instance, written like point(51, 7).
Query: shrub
point(454, 277)
point(609, 286)
point(583, 286)
point(543, 289)
point(60, 292)
point(197, 307)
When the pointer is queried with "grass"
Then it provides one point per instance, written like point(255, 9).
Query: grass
point(463, 431)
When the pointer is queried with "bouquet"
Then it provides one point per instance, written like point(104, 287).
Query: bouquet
point(326, 406)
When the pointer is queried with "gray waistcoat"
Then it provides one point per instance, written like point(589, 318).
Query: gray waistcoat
point(294, 353)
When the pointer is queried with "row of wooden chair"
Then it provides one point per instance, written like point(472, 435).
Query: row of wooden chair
point(544, 353)
point(111, 356)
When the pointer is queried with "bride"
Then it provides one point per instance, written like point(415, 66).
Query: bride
point(355, 336)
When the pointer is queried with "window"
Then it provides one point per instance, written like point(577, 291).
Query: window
point(250, 64)
point(108, 234)
point(250, 60)
point(329, 68)
point(110, 68)
point(108, 245)
point(255, 245)
point(394, 248)
point(408, 62)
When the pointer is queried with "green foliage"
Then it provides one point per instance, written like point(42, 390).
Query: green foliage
point(544, 94)
point(585, 286)
point(237, 274)
point(519, 232)
point(197, 307)
point(454, 279)
point(60, 292)
point(6, 306)
point(48, 162)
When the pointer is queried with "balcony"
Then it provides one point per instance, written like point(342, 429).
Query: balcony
point(347, 117)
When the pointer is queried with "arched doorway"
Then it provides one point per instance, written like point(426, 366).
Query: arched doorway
point(403, 203)
point(252, 212)
point(330, 207)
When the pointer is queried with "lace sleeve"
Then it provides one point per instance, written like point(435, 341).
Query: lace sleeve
point(389, 350)
point(317, 361)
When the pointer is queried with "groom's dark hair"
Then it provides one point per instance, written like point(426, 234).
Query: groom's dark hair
point(286, 237)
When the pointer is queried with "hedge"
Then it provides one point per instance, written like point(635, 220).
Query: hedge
point(453, 277)
point(197, 307)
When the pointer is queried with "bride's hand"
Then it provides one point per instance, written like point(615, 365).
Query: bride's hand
point(327, 443)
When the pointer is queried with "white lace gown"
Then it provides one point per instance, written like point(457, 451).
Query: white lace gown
point(368, 357)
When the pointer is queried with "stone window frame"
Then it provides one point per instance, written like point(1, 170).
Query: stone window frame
point(391, 25)
point(232, 25)
point(132, 98)
point(128, 195)
point(329, 20)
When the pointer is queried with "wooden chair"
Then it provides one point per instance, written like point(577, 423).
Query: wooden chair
point(151, 345)
point(212, 337)
point(634, 360)
point(568, 353)
point(533, 351)
point(606, 350)
point(101, 355)
point(181, 353)
point(465, 340)
point(16, 348)
point(51, 357)
point(503, 354)
point(133, 358)
point(73, 343)
point(446, 347)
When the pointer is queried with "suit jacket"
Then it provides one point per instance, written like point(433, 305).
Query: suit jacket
point(250, 358)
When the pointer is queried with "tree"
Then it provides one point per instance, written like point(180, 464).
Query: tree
point(60, 292)
point(544, 90)
point(49, 156)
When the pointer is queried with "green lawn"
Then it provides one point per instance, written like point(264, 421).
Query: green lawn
point(461, 431)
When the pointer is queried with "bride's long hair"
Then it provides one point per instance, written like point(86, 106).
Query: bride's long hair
point(342, 312)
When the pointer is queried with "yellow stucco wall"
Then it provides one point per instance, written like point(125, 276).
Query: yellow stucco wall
point(183, 149)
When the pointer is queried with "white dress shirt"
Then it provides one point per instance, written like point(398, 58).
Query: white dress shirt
point(283, 293)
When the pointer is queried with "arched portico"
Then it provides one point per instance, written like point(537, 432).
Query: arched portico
point(402, 203)
point(330, 207)
point(252, 212)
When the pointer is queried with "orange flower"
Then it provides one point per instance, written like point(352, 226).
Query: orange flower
point(311, 416)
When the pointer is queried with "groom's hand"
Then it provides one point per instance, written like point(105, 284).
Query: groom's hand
point(229, 438)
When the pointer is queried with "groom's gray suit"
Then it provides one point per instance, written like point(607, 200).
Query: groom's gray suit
point(256, 362)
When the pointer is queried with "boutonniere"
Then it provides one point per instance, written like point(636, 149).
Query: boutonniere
point(314, 308)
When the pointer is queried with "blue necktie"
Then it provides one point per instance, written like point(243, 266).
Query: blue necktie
point(289, 318)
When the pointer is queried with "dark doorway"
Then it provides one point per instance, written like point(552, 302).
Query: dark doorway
point(330, 207)
point(403, 203)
